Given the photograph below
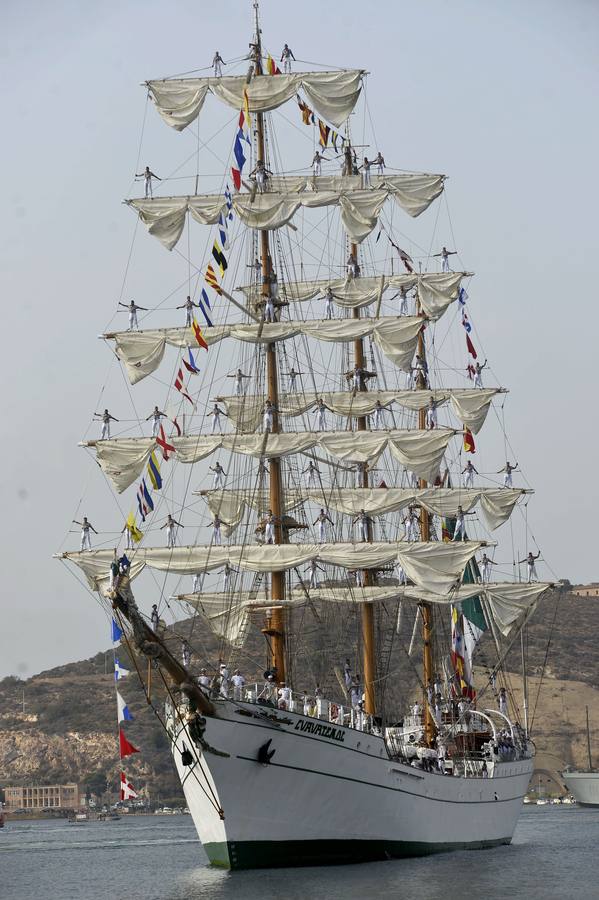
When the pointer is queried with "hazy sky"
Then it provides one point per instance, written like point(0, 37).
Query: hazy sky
point(500, 96)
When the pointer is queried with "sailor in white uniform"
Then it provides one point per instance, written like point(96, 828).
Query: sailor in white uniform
point(227, 573)
point(185, 654)
point(366, 182)
point(485, 568)
point(286, 57)
point(353, 269)
point(216, 532)
point(267, 418)
point(312, 472)
point(502, 701)
point(292, 379)
point(445, 254)
point(217, 64)
point(419, 371)
point(321, 415)
point(86, 527)
point(459, 532)
point(403, 301)
point(329, 307)
point(403, 578)
point(156, 416)
point(216, 412)
point(314, 569)
point(363, 520)
point(196, 584)
point(238, 682)
point(106, 419)
point(261, 174)
point(478, 369)
point(219, 475)
point(188, 306)
point(171, 526)
point(431, 414)
point(411, 524)
point(133, 307)
point(507, 476)
point(155, 617)
point(269, 527)
point(204, 680)
point(379, 161)
point(321, 521)
point(223, 672)
point(530, 565)
point(238, 376)
point(147, 176)
point(359, 576)
point(317, 163)
point(269, 310)
point(468, 472)
point(379, 415)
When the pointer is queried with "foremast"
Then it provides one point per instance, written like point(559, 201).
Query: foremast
point(275, 626)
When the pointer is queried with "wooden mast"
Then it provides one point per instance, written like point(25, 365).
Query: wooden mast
point(425, 608)
point(589, 741)
point(367, 609)
point(275, 626)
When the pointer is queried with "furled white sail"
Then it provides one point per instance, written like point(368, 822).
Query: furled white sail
point(497, 504)
point(434, 566)
point(420, 451)
point(507, 604)
point(332, 94)
point(396, 337)
point(436, 290)
point(470, 407)
point(164, 217)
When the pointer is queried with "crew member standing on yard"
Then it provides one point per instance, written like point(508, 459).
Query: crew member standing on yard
point(188, 306)
point(171, 526)
point(133, 307)
point(468, 472)
point(147, 176)
point(106, 419)
point(154, 617)
point(530, 565)
point(219, 475)
point(156, 416)
point(321, 521)
point(86, 527)
point(445, 254)
point(217, 64)
point(507, 477)
point(286, 57)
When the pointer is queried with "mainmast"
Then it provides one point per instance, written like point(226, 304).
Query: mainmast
point(425, 608)
point(367, 609)
point(274, 626)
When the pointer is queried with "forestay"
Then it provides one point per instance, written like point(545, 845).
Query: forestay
point(123, 460)
point(395, 336)
point(332, 94)
point(164, 217)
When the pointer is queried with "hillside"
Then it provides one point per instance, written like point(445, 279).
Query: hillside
point(61, 724)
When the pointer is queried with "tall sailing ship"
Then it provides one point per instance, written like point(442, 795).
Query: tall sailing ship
point(346, 525)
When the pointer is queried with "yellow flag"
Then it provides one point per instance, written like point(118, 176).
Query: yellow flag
point(136, 534)
point(246, 109)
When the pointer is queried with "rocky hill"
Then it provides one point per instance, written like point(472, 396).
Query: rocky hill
point(61, 724)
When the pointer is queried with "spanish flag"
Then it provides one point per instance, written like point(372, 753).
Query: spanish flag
point(154, 472)
point(198, 335)
point(271, 66)
point(210, 277)
point(469, 445)
point(220, 258)
point(136, 534)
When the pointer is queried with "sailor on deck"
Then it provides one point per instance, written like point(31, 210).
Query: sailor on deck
point(86, 527)
point(468, 472)
point(185, 653)
point(219, 475)
point(217, 64)
point(317, 163)
point(312, 472)
point(267, 418)
point(329, 306)
point(188, 306)
point(379, 161)
point(445, 254)
point(507, 477)
point(485, 568)
point(286, 57)
point(155, 617)
point(314, 569)
point(238, 376)
point(502, 701)
point(411, 524)
point(321, 521)
point(459, 532)
point(204, 679)
point(106, 419)
point(217, 412)
point(133, 307)
point(363, 520)
point(530, 565)
point(321, 415)
point(171, 526)
point(147, 176)
point(269, 527)
point(223, 672)
point(156, 416)
point(431, 414)
point(238, 682)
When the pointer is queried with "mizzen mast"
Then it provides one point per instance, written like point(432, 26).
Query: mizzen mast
point(274, 629)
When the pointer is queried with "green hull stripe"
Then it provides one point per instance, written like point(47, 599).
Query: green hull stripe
point(273, 854)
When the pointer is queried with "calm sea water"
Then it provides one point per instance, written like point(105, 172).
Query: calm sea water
point(554, 856)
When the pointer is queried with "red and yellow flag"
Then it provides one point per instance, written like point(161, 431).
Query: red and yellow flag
point(210, 277)
point(469, 445)
point(198, 335)
point(271, 66)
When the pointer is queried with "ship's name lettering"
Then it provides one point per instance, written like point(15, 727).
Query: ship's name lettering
point(327, 731)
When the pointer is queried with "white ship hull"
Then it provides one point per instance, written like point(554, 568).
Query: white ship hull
point(332, 795)
point(584, 787)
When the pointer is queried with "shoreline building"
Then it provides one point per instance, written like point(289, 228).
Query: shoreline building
point(33, 796)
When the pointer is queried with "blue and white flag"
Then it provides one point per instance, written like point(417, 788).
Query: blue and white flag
point(462, 296)
point(123, 710)
point(223, 232)
point(466, 323)
point(119, 671)
point(204, 304)
point(229, 202)
point(116, 632)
